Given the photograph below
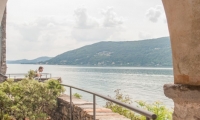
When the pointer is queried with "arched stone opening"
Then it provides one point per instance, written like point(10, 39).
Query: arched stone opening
point(183, 18)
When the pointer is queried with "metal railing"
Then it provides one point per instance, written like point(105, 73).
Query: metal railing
point(14, 75)
point(147, 114)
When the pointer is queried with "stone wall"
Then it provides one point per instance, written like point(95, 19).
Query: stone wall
point(82, 110)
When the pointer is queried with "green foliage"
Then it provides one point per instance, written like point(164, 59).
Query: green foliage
point(31, 74)
point(158, 108)
point(77, 95)
point(154, 52)
point(28, 98)
point(162, 112)
point(121, 110)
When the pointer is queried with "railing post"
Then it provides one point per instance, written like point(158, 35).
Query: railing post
point(70, 103)
point(50, 75)
point(94, 107)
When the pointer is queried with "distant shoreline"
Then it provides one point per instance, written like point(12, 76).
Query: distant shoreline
point(94, 65)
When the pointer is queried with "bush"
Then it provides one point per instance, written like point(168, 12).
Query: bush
point(162, 112)
point(31, 74)
point(77, 95)
point(28, 98)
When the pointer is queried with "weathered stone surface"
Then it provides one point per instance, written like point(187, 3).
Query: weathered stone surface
point(3, 66)
point(2, 78)
point(3, 44)
point(2, 8)
point(186, 101)
point(180, 92)
point(82, 110)
point(183, 18)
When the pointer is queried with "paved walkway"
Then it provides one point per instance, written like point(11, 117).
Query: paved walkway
point(101, 112)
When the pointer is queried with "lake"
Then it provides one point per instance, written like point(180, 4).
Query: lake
point(140, 83)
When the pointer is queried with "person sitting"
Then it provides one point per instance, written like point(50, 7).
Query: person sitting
point(39, 73)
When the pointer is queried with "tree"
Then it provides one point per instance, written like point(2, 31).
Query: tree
point(28, 98)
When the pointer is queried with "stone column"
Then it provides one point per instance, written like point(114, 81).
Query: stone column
point(3, 66)
point(183, 17)
point(3, 44)
point(2, 8)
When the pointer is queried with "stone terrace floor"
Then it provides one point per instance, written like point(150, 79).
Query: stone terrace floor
point(83, 110)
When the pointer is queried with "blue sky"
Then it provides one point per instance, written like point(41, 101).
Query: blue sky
point(50, 27)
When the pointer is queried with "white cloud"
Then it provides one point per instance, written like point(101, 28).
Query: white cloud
point(40, 37)
point(54, 36)
point(83, 20)
point(97, 34)
point(89, 28)
point(155, 13)
point(62, 27)
point(110, 18)
point(145, 35)
point(164, 19)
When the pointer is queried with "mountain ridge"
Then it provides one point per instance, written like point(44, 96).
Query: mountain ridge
point(26, 61)
point(151, 52)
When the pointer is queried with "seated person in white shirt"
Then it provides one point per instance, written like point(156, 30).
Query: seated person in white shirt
point(39, 73)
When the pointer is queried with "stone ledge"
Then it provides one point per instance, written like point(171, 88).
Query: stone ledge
point(179, 92)
point(186, 101)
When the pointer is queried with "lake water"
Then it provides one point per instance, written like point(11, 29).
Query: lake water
point(140, 83)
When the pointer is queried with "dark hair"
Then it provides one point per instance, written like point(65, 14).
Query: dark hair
point(40, 68)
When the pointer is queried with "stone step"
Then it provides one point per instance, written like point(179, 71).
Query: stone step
point(110, 115)
point(111, 118)
point(99, 110)
point(83, 110)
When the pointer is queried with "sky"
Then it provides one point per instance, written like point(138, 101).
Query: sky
point(38, 28)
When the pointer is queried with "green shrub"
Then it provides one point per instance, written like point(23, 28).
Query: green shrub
point(28, 98)
point(162, 112)
point(31, 74)
point(77, 95)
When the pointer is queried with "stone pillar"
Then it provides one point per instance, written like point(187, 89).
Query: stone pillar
point(3, 44)
point(3, 66)
point(2, 8)
point(183, 17)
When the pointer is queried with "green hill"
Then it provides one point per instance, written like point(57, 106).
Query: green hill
point(25, 61)
point(153, 52)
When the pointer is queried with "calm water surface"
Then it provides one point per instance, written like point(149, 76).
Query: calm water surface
point(140, 83)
